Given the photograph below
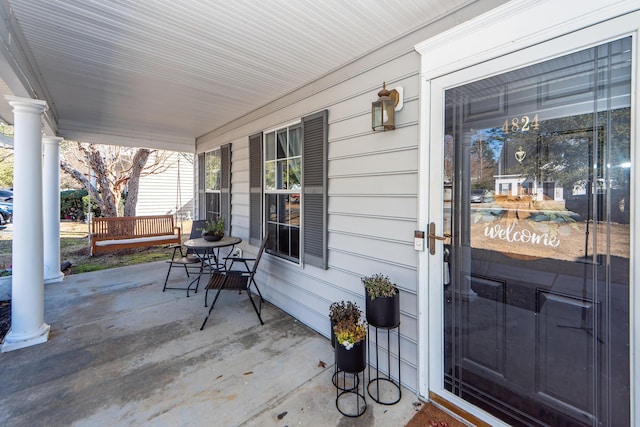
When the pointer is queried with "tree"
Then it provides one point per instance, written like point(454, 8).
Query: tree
point(6, 156)
point(116, 170)
point(483, 163)
point(6, 168)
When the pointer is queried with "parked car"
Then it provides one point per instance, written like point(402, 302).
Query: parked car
point(6, 211)
point(6, 196)
point(5, 216)
point(479, 195)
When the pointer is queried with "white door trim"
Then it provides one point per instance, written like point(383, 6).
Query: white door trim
point(580, 24)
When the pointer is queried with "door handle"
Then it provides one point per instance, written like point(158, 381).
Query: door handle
point(433, 237)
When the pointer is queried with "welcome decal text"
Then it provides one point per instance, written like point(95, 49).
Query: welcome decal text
point(510, 234)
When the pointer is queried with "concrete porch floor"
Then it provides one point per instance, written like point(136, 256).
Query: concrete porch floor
point(122, 352)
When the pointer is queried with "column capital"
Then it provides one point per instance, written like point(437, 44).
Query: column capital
point(28, 103)
point(52, 139)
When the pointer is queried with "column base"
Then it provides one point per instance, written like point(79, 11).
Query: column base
point(13, 341)
point(53, 277)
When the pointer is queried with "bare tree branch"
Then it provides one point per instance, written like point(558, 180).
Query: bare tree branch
point(116, 169)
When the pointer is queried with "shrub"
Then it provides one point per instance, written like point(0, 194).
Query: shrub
point(95, 210)
point(71, 206)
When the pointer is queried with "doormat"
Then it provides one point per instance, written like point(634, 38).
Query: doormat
point(429, 415)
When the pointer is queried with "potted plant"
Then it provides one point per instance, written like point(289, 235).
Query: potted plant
point(382, 301)
point(342, 311)
point(350, 349)
point(213, 230)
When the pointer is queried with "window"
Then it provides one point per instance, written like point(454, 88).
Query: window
point(212, 176)
point(282, 186)
point(214, 184)
point(287, 180)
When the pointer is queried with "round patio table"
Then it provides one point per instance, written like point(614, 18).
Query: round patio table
point(208, 251)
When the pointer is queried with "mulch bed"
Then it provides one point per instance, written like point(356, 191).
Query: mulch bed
point(5, 318)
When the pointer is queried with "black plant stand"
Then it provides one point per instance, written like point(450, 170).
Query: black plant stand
point(345, 381)
point(390, 394)
point(350, 399)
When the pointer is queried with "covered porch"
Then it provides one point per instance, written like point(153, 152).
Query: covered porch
point(122, 352)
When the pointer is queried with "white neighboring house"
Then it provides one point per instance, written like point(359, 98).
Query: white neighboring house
point(169, 192)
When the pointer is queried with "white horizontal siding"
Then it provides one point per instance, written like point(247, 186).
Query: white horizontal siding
point(379, 142)
point(379, 228)
point(380, 164)
point(240, 188)
point(170, 191)
point(400, 207)
point(372, 204)
point(398, 184)
point(372, 191)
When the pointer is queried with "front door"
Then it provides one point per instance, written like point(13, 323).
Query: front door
point(536, 170)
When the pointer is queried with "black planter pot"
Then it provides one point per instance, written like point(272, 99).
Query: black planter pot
point(211, 237)
point(383, 312)
point(353, 360)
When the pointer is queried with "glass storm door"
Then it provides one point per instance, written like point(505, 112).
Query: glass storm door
point(536, 274)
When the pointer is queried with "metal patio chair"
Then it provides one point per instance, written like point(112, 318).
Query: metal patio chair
point(188, 259)
point(240, 280)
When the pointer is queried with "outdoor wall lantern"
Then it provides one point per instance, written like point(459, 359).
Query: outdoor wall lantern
point(383, 110)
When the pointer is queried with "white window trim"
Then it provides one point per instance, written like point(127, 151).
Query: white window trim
point(265, 191)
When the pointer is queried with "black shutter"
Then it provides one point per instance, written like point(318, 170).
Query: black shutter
point(225, 187)
point(255, 189)
point(314, 189)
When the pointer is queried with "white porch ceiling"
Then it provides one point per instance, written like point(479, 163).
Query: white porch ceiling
point(164, 70)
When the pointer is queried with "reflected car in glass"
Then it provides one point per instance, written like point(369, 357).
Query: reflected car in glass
point(481, 196)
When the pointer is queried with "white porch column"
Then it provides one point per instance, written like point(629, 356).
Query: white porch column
point(27, 289)
point(51, 199)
